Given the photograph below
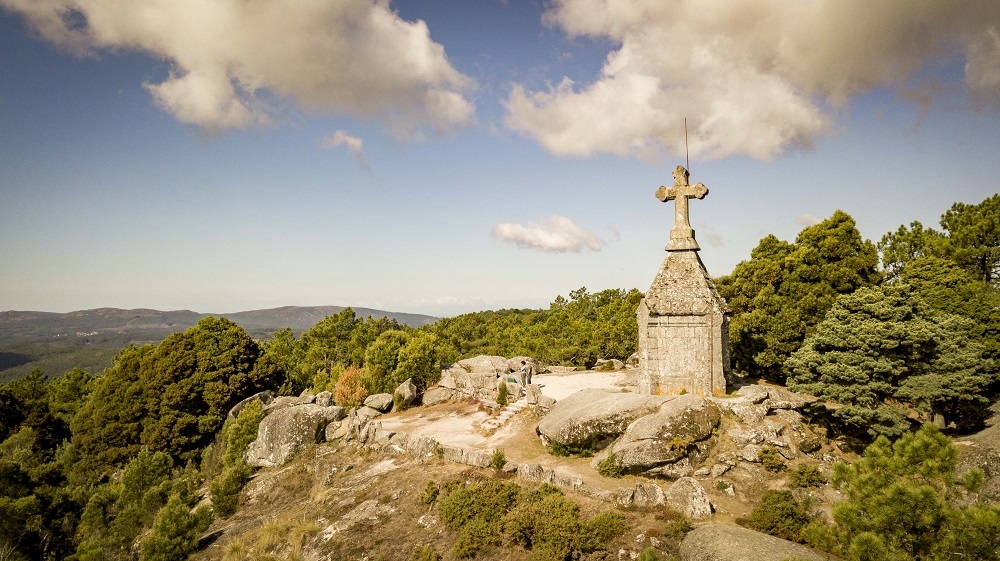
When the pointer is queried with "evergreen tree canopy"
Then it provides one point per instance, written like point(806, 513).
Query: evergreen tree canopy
point(335, 342)
point(898, 505)
point(882, 351)
point(906, 245)
point(575, 331)
point(784, 290)
point(971, 238)
point(974, 233)
point(170, 397)
point(950, 288)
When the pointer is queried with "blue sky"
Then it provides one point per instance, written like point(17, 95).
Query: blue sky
point(218, 157)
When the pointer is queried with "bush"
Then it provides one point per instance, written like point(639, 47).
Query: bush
point(780, 514)
point(431, 491)
point(558, 449)
point(239, 434)
point(541, 520)
point(503, 395)
point(349, 392)
point(424, 553)
point(648, 554)
point(771, 459)
point(608, 467)
point(498, 460)
point(325, 380)
point(806, 476)
point(397, 402)
point(175, 532)
point(899, 504)
point(225, 488)
point(477, 512)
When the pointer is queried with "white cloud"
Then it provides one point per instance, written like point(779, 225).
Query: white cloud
point(753, 77)
point(234, 62)
point(807, 219)
point(354, 145)
point(555, 234)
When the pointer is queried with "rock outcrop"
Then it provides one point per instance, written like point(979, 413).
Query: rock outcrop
point(485, 364)
point(666, 436)
point(380, 401)
point(284, 431)
point(264, 397)
point(437, 395)
point(754, 402)
point(592, 418)
point(717, 542)
point(689, 497)
point(406, 393)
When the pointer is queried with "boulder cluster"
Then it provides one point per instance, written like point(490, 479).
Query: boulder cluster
point(294, 422)
point(669, 435)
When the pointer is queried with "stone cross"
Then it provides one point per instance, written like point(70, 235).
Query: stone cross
point(681, 235)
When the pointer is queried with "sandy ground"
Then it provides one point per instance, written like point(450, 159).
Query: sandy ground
point(457, 423)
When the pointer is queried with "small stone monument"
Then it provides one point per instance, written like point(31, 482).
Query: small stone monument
point(683, 320)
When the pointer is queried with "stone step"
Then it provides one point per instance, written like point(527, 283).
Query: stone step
point(505, 414)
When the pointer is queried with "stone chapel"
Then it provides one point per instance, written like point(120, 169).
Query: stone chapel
point(683, 320)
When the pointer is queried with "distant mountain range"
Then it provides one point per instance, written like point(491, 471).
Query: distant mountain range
point(83, 323)
point(89, 339)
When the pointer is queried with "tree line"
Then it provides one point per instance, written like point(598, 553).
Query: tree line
point(913, 340)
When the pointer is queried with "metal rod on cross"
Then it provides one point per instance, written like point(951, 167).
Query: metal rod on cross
point(687, 158)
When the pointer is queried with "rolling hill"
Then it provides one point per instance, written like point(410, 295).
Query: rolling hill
point(89, 339)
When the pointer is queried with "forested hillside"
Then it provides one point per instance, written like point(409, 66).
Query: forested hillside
point(89, 339)
point(107, 464)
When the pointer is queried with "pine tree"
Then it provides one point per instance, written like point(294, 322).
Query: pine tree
point(882, 352)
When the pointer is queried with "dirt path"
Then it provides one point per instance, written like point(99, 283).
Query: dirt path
point(457, 424)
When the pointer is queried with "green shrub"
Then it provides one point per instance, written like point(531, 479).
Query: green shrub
point(431, 491)
point(900, 504)
point(489, 500)
point(558, 449)
point(608, 467)
point(397, 402)
point(498, 460)
point(239, 434)
point(542, 520)
point(680, 443)
point(677, 529)
point(604, 527)
point(648, 554)
point(722, 485)
point(806, 476)
point(424, 553)
point(175, 532)
point(325, 380)
point(780, 514)
point(771, 459)
point(550, 525)
point(225, 488)
point(503, 395)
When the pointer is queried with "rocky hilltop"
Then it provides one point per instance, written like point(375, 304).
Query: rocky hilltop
point(352, 484)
